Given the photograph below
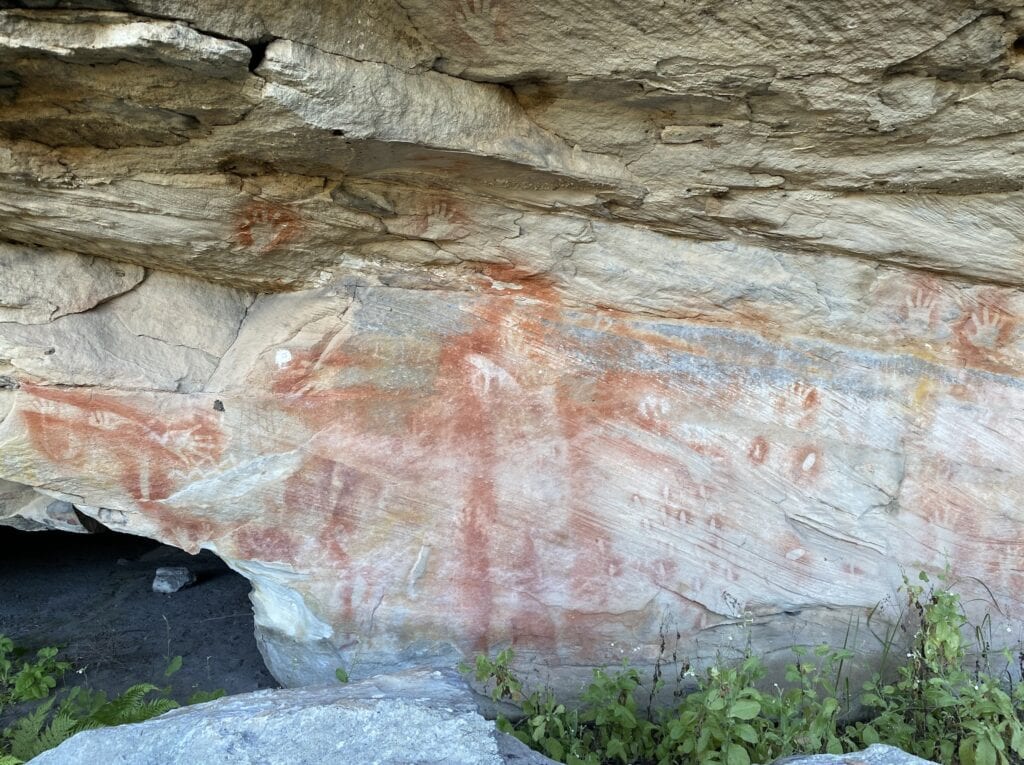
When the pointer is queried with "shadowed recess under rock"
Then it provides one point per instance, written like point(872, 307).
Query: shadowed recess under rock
point(91, 595)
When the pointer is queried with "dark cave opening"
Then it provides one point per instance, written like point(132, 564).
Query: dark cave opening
point(91, 595)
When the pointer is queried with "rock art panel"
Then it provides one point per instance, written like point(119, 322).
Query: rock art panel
point(412, 476)
point(458, 325)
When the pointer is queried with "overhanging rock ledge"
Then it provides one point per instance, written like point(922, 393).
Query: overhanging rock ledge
point(459, 325)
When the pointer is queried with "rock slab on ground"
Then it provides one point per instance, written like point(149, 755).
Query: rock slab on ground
point(170, 579)
point(415, 716)
point(876, 754)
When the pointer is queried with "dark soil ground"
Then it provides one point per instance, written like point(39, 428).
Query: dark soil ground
point(91, 594)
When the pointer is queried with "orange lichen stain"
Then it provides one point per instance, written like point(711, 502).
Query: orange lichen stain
point(984, 328)
point(533, 625)
point(922, 392)
point(443, 218)
point(918, 306)
point(311, 370)
point(851, 569)
point(265, 543)
point(807, 396)
point(266, 226)
point(471, 386)
point(705, 449)
point(151, 457)
point(758, 451)
point(807, 463)
point(512, 280)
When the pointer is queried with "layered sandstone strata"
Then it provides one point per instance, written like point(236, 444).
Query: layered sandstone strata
point(598, 331)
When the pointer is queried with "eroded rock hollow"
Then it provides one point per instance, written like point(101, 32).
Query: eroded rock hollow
point(577, 327)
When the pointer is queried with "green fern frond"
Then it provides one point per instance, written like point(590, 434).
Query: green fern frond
point(155, 708)
point(61, 728)
point(123, 708)
point(132, 706)
point(24, 734)
point(31, 735)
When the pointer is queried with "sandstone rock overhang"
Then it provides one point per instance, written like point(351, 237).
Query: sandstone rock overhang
point(460, 325)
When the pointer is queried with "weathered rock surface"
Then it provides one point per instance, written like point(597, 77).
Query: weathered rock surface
point(22, 507)
point(415, 716)
point(459, 325)
point(170, 579)
point(877, 754)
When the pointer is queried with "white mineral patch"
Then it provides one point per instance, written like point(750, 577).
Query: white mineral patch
point(276, 606)
point(282, 358)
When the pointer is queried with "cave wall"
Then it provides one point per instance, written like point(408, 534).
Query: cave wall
point(456, 325)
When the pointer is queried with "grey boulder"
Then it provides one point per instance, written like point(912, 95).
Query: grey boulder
point(876, 754)
point(417, 716)
point(170, 579)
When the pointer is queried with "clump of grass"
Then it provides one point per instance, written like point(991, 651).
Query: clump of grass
point(934, 705)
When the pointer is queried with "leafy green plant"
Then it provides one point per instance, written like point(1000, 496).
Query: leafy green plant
point(936, 707)
point(932, 705)
point(58, 716)
point(613, 726)
point(808, 710)
point(497, 673)
point(26, 680)
point(722, 721)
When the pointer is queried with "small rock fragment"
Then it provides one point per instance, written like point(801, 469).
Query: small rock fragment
point(170, 579)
